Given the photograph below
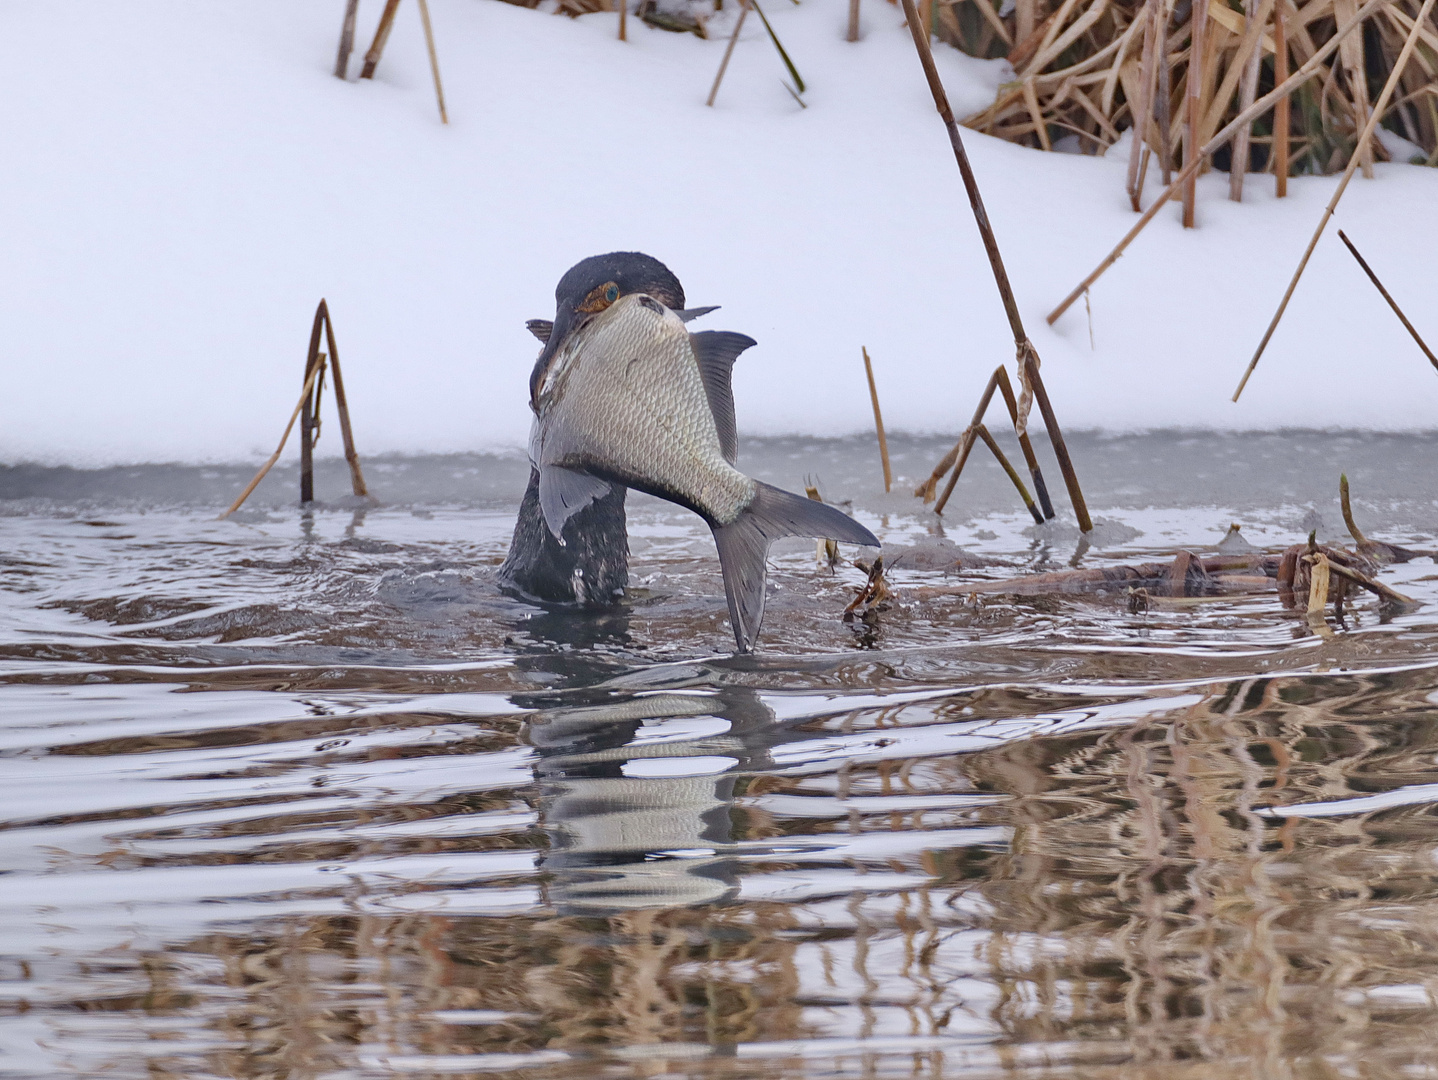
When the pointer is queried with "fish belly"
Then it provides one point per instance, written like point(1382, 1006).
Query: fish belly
point(632, 405)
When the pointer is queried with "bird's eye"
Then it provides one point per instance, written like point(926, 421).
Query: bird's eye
point(600, 298)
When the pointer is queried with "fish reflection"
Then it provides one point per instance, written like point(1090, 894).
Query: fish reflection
point(636, 798)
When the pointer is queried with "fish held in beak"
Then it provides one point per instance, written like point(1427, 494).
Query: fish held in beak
point(631, 397)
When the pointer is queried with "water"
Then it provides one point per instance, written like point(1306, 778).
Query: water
point(305, 796)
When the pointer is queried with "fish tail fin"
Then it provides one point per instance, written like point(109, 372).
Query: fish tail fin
point(744, 545)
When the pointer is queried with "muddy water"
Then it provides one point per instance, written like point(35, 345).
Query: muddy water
point(306, 796)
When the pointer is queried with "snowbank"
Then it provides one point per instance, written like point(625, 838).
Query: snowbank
point(184, 181)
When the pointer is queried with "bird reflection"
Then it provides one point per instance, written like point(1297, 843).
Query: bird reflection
point(636, 795)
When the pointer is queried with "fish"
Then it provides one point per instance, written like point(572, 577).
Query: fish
point(631, 397)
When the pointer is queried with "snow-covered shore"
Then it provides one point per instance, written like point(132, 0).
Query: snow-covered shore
point(184, 181)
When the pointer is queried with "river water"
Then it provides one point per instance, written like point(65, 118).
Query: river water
point(303, 795)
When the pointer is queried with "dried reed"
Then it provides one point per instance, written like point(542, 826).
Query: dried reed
point(1354, 161)
point(434, 59)
point(729, 50)
point(878, 422)
point(1391, 302)
point(347, 39)
point(1258, 108)
point(381, 36)
point(1028, 360)
point(307, 410)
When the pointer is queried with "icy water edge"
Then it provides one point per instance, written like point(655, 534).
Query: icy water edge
point(302, 795)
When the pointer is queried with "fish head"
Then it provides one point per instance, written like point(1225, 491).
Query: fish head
point(591, 287)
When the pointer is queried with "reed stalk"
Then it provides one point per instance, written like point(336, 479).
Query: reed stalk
point(1143, 108)
point(1353, 162)
point(1247, 91)
point(1318, 582)
point(1025, 444)
point(729, 51)
point(878, 422)
point(1353, 529)
point(1193, 104)
point(1281, 109)
point(1013, 475)
point(853, 34)
point(357, 481)
point(960, 451)
point(381, 36)
point(433, 59)
point(1262, 105)
point(309, 414)
point(1027, 356)
point(347, 39)
point(270, 464)
point(1391, 302)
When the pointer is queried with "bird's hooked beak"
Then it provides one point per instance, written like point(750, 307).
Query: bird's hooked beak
point(566, 321)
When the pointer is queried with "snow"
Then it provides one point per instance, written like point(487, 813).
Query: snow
point(184, 181)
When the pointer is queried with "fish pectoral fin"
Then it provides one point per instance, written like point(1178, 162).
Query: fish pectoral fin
point(744, 545)
point(691, 313)
point(540, 328)
point(564, 492)
point(716, 351)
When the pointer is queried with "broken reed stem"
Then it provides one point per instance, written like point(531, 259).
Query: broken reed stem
point(1262, 105)
point(1280, 110)
point(1193, 104)
point(1379, 589)
point(347, 39)
point(1357, 158)
point(1143, 108)
point(1248, 90)
point(1353, 529)
point(960, 451)
point(729, 50)
point(878, 422)
point(1318, 594)
point(1056, 439)
point(1027, 356)
point(433, 59)
point(381, 35)
point(1018, 482)
point(308, 416)
point(853, 34)
point(623, 20)
point(357, 482)
point(270, 464)
point(1391, 302)
point(1025, 444)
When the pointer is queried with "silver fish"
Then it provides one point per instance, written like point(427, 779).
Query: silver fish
point(633, 398)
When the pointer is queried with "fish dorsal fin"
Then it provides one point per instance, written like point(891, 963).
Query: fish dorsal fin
point(716, 351)
point(564, 492)
point(540, 328)
point(690, 314)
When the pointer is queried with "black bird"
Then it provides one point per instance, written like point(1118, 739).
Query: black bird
point(624, 394)
point(591, 568)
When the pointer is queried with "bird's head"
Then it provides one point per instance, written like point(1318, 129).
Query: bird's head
point(590, 286)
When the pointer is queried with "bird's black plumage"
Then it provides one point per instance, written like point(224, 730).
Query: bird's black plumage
point(592, 566)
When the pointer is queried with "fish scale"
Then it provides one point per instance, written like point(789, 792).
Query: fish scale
point(626, 391)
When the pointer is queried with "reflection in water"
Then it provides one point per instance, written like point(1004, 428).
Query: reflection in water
point(1003, 881)
point(636, 802)
point(279, 807)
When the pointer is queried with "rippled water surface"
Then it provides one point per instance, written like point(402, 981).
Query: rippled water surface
point(304, 795)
